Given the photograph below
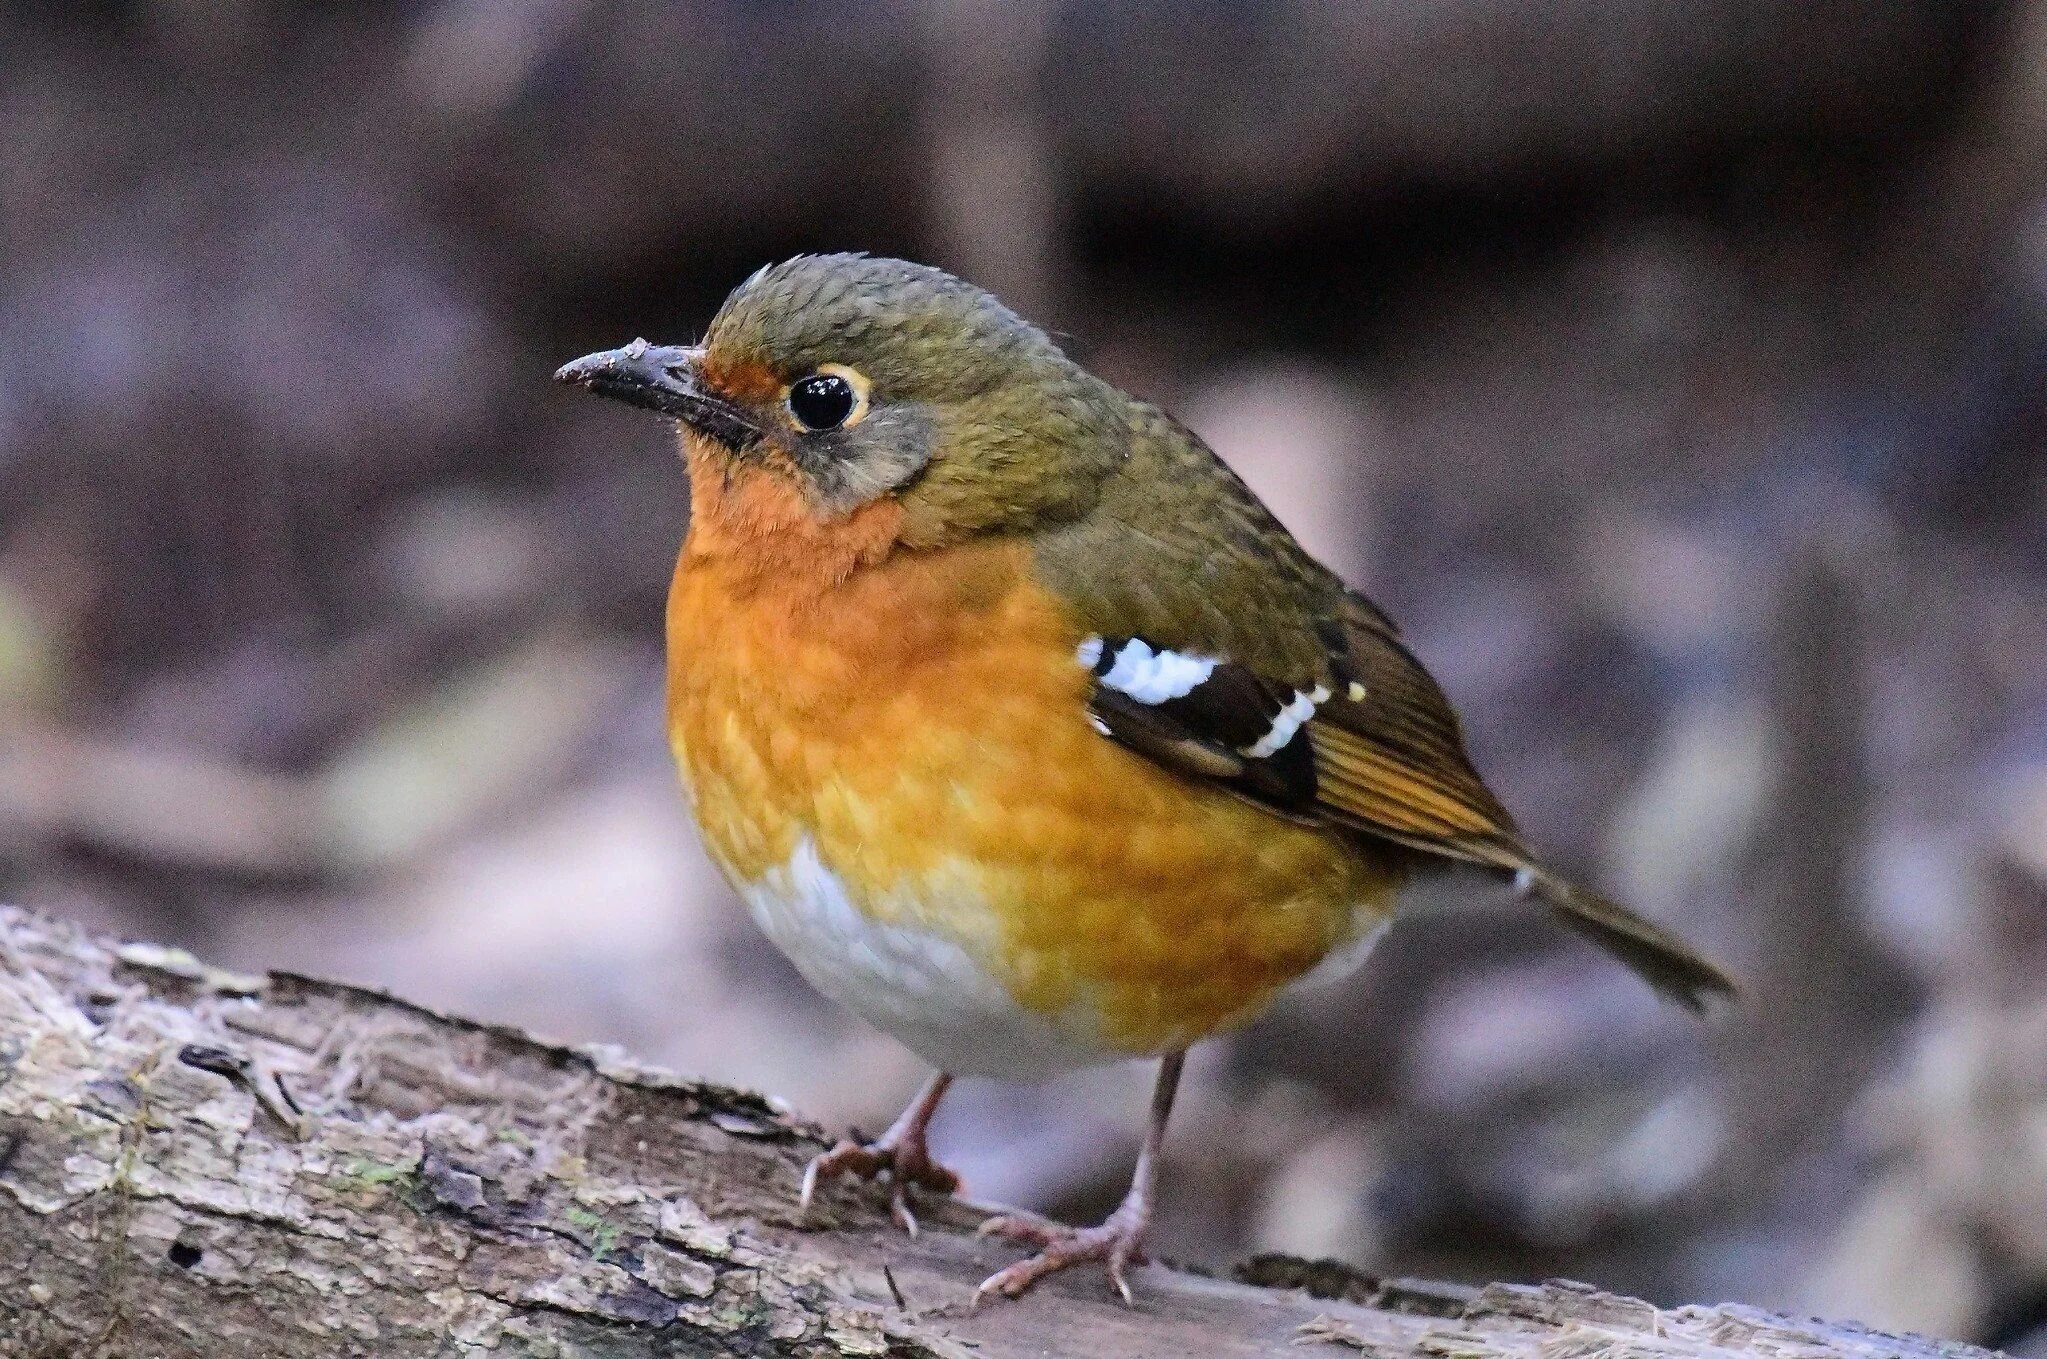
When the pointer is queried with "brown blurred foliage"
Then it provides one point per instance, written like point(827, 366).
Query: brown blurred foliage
point(1674, 372)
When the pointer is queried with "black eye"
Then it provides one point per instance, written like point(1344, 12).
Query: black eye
point(822, 401)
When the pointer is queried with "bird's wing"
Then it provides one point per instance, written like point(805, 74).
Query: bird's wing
point(1367, 741)
point(1221, 650)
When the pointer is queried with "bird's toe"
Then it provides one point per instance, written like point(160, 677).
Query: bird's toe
point(1117, 1244)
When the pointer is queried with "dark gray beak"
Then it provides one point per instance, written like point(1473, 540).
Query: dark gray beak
point(662, 378)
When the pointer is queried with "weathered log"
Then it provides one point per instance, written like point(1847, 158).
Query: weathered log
point(196, 1163)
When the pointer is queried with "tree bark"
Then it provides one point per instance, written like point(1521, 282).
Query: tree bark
point(197, 1163)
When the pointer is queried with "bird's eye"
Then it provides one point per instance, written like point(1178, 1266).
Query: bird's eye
point(824, 400)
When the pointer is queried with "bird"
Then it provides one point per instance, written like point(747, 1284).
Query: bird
point(1021, 725)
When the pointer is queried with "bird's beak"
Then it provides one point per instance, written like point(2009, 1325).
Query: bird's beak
point(662, 378)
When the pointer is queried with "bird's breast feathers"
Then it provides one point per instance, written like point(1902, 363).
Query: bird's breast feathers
point(903, 776)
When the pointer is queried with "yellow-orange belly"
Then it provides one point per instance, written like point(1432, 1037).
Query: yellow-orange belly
point(898, 773)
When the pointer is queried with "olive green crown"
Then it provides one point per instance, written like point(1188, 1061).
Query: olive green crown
point(980, 421)
point(915, 330)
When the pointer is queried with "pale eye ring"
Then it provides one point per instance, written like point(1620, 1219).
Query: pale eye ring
point(833, 397)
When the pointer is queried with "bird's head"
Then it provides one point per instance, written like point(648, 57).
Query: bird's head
point(849, 382)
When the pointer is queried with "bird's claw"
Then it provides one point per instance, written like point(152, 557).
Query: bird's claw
point(1118, 1243)
point(899, 1209)
point(906, 1163)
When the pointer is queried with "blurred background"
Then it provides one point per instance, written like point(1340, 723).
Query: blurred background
point(1674, 372)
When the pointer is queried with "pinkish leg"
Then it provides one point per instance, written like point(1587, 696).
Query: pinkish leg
point(1119, 1241)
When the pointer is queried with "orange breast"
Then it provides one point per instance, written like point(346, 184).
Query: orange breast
point(921, 722)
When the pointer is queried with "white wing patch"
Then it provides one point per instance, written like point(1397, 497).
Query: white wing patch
point(1148, 676)
point(1152, 676)
point(1286, 722)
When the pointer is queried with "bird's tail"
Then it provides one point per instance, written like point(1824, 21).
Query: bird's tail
point(1657, 956)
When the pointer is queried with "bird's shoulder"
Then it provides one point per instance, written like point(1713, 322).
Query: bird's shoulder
point(1178, 548)
point(1223, 649)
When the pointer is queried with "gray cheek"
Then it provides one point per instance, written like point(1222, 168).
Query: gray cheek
point(880, 454)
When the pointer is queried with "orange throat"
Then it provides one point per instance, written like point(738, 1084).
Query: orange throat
point(752, 519)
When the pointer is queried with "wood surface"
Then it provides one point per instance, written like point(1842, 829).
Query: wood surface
point(194, 1163)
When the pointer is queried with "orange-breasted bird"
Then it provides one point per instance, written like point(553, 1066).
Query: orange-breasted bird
point(1020, 724)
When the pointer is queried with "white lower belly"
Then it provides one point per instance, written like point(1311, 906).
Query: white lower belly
point(918, 985)
point(928, 991)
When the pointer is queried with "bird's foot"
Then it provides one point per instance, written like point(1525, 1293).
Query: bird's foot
point(906, 1159)
point(1118, 1243)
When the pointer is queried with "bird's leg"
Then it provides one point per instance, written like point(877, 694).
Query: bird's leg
point(902, 1151)
point(1119, 1241)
